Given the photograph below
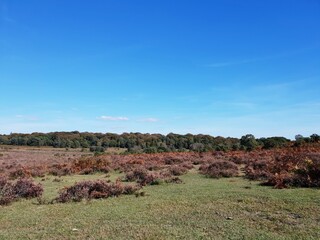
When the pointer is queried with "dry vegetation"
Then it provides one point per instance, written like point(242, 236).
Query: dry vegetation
point(281, 168)
point(55, 176)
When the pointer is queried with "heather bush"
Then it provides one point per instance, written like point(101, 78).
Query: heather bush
point(86, 171)
point(286, 169)
point(238, 160)
point(302, 170)
point(94, 190)
point(136, 174)
point(219, 168)
point(258, 169)
point(3, 182)
point(309, 170)
point(60, 170)
point(172, 160)
point(91, 165)
point(197, 161)
point(174, 180)
point(129, 189)
point(37, 172)
point(143, 177)
point(178, 170)
point(6, 191)
point(26, 188)
point(22, 188)
point(19, 172)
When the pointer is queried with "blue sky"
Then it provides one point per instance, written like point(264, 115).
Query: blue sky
point(218, 67)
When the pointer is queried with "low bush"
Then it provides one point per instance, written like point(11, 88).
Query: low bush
point(60, 170)
point(258, 169)
point(7, 194)
point(286, 169)
point(296, 171)
point(91, 165)
point(219, 168)
point(19, 172)
point(143, 176)
point(174, 180)
point(26, 188)
point(178, 170)
point(37, 172)
point(22, 188)
point(94, 190)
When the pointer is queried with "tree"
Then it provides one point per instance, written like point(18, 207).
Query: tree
point(151, 150)
point(35, 141)
point(197, 147)
point(298, 137)
point(274, 142)
point(299, 140)
point(315, 138)
point(98, 149)
point(249, 142)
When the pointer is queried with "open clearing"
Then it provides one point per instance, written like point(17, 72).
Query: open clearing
point(200, 208)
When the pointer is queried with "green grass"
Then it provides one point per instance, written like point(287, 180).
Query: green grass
point(201, 208)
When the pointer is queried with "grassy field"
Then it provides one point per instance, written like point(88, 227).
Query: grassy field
point(41, 156)
point(200, 208)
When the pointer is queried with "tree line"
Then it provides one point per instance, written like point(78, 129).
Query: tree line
point(149, 143)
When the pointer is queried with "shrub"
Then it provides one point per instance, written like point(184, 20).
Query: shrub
point(23, 188)
point(178, 170)
point(86, 171)
point(26, 188)
point(238, 160)
point(258, 170)
point(136, 174)
point(170, 160)
point(309, 171)
point(60, 170)
point(94, 190)
point(20, 172)
point(143, 177)
point(219, 168)
point(3, 182)
point(174, 180)
point(7, 194)
point(297, 171)
point(91, 165)
point(37, 172)
point(130, 189)
point(286, 169)
point(97, 149)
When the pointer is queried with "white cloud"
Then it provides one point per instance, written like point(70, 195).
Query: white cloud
point(149, 120)
point(27, 117)
point(110, 118)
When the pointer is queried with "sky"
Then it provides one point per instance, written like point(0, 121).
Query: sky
point(218, 67)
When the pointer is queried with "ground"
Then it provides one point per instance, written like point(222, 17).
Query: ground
point(200, 208)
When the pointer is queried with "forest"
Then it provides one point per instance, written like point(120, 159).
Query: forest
point(150, 143)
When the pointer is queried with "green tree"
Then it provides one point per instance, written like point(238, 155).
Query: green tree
point(315, 138)
point(249, 142)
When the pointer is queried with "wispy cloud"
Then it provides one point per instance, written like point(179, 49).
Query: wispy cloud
point(149, 120)
point(110, 118)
